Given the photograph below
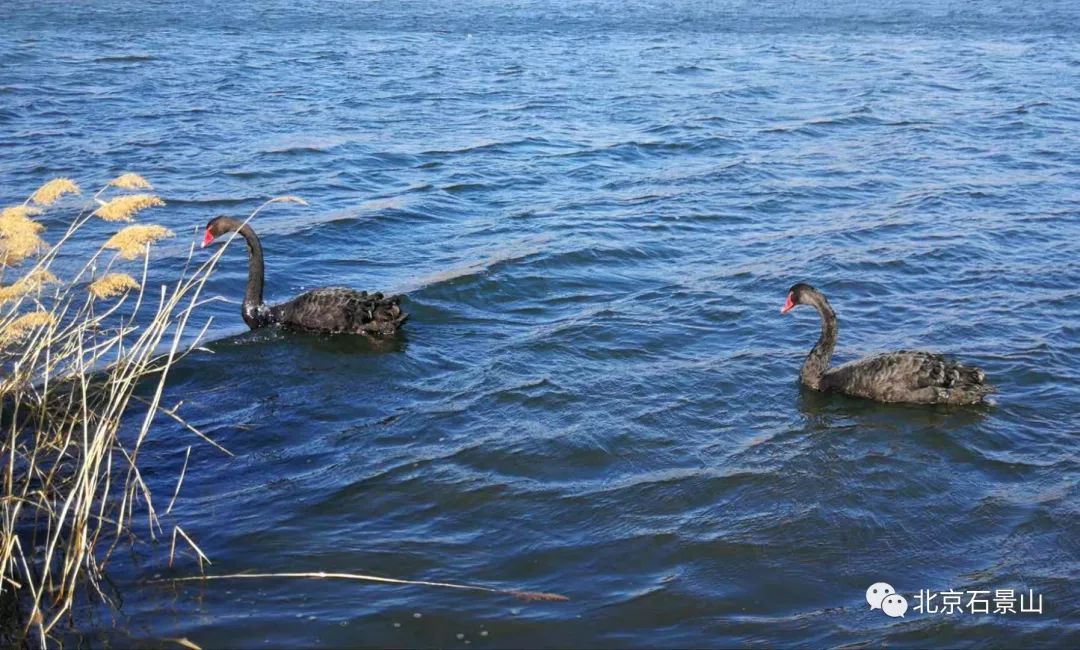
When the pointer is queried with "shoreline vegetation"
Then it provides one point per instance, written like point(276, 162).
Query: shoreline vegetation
point(85, 352)
point(80, 342)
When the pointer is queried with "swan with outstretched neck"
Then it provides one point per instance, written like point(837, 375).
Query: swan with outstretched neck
point(903, 376)
point(328, 310)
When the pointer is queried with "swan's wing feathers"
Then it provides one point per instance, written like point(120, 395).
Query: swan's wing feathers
point(926, 369)
point(910, 376)
point(339, 309)
point(935, 370)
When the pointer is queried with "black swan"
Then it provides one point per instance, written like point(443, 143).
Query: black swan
point(904, 376)
point(330, 309)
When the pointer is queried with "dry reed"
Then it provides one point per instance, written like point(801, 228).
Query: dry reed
point(528, 596)
point(124, 208)
point(69, 370)
point(72, 488)
point(20, 215)
point(113, 284)
point(19, 237)
point(17, 328)
point(130, 181)
point(51, 192)
point(28, 283)
point(288, 199)
point(131, 242)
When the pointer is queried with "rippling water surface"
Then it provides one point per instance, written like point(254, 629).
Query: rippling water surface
point(596, 210)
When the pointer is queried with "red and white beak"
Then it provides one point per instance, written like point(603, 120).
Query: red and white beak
point(788, 306)
point(207, 238)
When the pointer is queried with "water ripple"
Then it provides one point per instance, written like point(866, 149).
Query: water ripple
point(594, 212)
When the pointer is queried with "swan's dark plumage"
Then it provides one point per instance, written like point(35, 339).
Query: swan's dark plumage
point(908, 376)
point(338, 309)
point(904, 376)
point(329, 310)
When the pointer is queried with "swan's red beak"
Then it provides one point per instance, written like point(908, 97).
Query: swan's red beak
point(788, 306)
point(207, 238)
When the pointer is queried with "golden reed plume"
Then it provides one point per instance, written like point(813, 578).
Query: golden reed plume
point(14, 249)
point(113, 284)
point(133, 240)
point(48, 193)
point(130, 181)
point(19, 234)
point(23, 325)
point(123, 208)
point(76, 376)
point(19, 215)
point(31, 282)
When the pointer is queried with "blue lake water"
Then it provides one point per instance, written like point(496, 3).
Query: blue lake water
point(595, 210)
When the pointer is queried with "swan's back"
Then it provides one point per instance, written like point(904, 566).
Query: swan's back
point(909, 376)
point(339, 309)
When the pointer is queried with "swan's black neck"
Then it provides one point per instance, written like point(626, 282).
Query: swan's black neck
point(255, 312)
point(817, 362)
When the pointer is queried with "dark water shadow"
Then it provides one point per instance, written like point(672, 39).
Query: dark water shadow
point(255, 360)
point(321, 342)
point(347, 343)
point(825, 408)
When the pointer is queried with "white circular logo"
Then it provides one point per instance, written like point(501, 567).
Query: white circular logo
point(894, 605)
point(877, 592)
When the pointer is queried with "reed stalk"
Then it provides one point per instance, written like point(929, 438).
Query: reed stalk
point(84, 357)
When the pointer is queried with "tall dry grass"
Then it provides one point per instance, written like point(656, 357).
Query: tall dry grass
point(85, 350)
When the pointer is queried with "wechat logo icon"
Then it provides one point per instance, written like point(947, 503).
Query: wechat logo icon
point(881, 595)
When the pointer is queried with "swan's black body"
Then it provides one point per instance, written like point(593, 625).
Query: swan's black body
point(330, 310)
point(904, 376)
